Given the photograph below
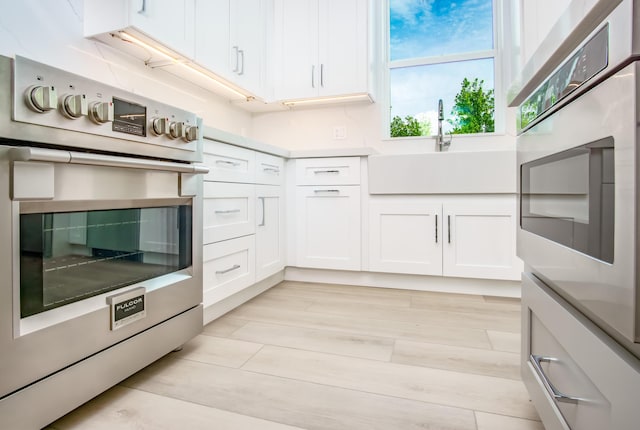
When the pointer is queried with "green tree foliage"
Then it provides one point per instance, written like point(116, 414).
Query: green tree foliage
point(473, 109)
point(409, 126)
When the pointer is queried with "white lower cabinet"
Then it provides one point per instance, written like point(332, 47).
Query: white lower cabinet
point(470, 236)
point(228, 267)
point(228, 211)
point(328, 227)
point(270, 235)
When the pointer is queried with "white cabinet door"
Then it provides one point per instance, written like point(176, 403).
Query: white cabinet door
point(228, 211)
point(342, 49)
point(228, 267)
point(480, 238)
point(405, 235)
point(270, 240)
point(170, 22)
point(212, 43)
point(322, 48)
point(328, 227)
point(247, 43)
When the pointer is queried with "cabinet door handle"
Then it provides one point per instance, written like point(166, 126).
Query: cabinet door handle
point(316, 172)
point(143, 7)
point(241, 52)
point(322, 75)
point(232, 268)
point(535, 361)
point(271, 169)
point(235, 70)
point(231, 163)
point(313, 76)
point(449, 228)
point(327, 191)
point(436, 228)
point(230, 211)
point(264, 216)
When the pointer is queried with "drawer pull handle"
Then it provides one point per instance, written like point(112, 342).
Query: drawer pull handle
point(271, 169)
point(327, 191)
point(230, 211)
point(317, 172)
point(230, 269)
point(229, 163)
point(535, 360)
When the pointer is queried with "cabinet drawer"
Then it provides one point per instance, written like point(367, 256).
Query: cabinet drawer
point(269, 169)
point(328, 171)
point(228, 211)
point(228, 267)
point(593, 378)
point(228, 163)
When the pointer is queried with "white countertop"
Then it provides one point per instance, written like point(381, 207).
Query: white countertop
point(244, 142)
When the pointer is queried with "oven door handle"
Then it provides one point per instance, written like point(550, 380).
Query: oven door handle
point(71, 157)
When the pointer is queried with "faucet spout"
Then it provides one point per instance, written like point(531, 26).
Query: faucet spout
point(441, 143)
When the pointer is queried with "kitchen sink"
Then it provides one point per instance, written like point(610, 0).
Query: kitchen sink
point(467, 172)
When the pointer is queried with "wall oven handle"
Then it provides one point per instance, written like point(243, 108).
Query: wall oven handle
point(71, 157)
point(535, 361)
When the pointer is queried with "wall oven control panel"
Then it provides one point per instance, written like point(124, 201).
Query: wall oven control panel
point(47, 96)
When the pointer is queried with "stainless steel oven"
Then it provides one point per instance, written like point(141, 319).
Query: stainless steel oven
point(578, 153)
point(100, 209)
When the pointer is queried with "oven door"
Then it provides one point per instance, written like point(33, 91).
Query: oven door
point(102, 248)
point(578, 216)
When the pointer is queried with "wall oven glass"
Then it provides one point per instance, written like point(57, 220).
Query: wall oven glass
point(569, 198)
point(67, 257)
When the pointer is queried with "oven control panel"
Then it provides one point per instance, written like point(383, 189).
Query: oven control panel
point(47, 96)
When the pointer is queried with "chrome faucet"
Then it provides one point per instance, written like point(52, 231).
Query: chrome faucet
point(441, 143)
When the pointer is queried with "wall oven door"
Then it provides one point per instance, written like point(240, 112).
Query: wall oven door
point(102, 249)
point(579, 208)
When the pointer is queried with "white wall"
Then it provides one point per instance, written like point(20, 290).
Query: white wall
point(51, 32)
point(537, 18)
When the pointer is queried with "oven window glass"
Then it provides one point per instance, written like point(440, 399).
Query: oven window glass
point(69, 256)
point(568, 198)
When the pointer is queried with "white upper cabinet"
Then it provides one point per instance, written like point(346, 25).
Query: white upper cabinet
point(321, 48)
point(171, 23)
point(231, 40)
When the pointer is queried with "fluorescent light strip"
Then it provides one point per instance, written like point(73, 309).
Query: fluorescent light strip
point(127, 37)
point(227, 87)
point(354, 97)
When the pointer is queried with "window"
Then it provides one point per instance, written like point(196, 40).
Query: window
point(435, 46)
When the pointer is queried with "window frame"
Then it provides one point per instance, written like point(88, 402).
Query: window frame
point(500, 33)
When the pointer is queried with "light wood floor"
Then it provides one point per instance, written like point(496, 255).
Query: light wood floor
point(315, 356)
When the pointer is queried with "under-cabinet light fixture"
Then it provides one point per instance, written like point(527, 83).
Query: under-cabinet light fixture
point(317, 101)
point(174, 59)
point(129, 38)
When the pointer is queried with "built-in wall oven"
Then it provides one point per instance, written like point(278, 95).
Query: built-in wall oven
point(578, 151)
point(100, 209)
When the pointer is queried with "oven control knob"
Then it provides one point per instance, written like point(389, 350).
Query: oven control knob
point(41, 98)
point(101, 112)
point(160, 126)
point(191, 133)
point(176, 129)
point(74, 106)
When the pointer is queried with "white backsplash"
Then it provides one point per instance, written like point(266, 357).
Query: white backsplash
point(51, 32)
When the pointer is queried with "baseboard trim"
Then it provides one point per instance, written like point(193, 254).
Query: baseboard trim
point(220, 308)
point(489, 287)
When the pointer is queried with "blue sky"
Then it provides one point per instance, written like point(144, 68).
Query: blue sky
point(428, 28)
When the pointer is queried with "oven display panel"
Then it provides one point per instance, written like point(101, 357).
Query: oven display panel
point(129, 118)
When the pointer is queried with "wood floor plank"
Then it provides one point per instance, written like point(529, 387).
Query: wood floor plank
point(282, 302)
point(475, 338)
point(463, 303)
point(217, 350)
point(334, 342)
point(223, 326)
point(457, 389)
point(128, 409)
point(308, 405)
point(457, 358)
point(499, 422)
point(341, 296)
point(504, 341)
point(347, 289)
point(443, 318)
